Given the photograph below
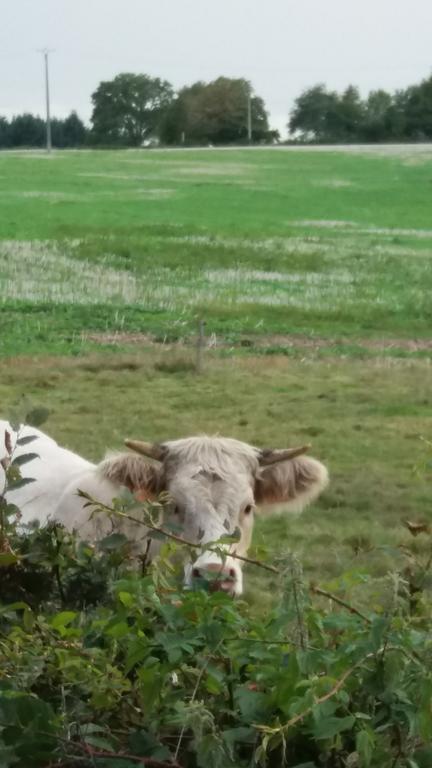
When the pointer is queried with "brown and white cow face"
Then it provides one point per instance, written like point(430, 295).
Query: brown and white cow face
point(215, 485)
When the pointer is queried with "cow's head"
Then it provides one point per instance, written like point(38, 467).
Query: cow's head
point(215, 485)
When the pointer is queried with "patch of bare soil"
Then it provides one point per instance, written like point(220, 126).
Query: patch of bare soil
point(288, 340)
point(119, 337)
point(317, 342)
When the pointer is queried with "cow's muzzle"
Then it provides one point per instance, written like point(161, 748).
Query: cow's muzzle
point(215, 577)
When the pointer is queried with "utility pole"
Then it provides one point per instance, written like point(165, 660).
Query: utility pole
point(45, 52)
point(249, 116)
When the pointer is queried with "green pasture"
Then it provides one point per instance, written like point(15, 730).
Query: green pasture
point(267, 243)
point(312, 270)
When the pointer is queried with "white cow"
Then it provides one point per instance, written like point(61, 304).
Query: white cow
point(214, 484)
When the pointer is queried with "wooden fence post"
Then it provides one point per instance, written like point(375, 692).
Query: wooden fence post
point(200, 347)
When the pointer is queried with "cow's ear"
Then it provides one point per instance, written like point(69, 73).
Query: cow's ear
point(294, 483)
point(134, 472)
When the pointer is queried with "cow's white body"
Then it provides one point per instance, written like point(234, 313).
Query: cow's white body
point(57, 475)
point(53, 470)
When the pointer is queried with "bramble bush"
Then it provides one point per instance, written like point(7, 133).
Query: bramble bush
point(109, 666)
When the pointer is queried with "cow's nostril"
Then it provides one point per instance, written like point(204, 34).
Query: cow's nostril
point(232, 573)
point(196, 573)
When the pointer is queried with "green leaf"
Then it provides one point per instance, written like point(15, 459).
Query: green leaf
point(11, 509)
point(8, 756)
point(113, 542)
point(18, 606)
point(305, 765)
point(210, 752)
point(63, 619)
point(7, 558)
point(27, 439)
point(253, 705)
point(37, 416)
point(20, 483)
point(289, 677)
point(244, 735)
point(137, 651)
point(126, 599)
point(99, 741)
point(146, 744)
point(327, 727)
point(365, 741)
point(118, 630)
point(423, 757)
point(378, 629)
point(149, 686)
point(18, 461)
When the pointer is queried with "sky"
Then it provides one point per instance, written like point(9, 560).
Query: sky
point(281, 46)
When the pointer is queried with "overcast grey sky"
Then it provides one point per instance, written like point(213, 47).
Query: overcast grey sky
point(282, 46)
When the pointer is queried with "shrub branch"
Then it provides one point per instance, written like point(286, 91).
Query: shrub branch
point(172, 536)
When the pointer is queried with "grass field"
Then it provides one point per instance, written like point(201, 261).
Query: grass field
point(313, 273)
point(322, 245)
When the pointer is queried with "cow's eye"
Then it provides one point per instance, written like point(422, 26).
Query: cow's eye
point(248, 509)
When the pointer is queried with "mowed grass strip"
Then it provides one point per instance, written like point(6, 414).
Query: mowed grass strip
point(365, 420)
point(325, 244)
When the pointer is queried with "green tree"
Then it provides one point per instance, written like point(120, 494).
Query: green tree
point(27, 131)
point(74, 131)
point(349, 115)
point(379, 122)
point(216, 113)
point(129, 109)
point(418, 111)
point(5, 133)
point(57, 133)
point(315, 114)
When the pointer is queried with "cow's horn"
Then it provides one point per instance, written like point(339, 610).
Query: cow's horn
point(270, 456)
point(152, 450)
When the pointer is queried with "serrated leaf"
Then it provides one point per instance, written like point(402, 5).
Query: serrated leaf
point(18, 461)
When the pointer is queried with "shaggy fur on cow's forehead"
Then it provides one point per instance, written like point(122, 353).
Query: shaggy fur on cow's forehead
point(212, 454)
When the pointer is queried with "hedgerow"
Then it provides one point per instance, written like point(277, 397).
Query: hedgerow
point(106, 664)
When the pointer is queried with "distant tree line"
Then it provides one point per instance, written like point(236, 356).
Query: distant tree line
point(28, 130)
point(324, 116)
point(134, 109)
point(131, 110)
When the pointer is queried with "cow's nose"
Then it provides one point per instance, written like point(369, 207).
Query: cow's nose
point(215, 577)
